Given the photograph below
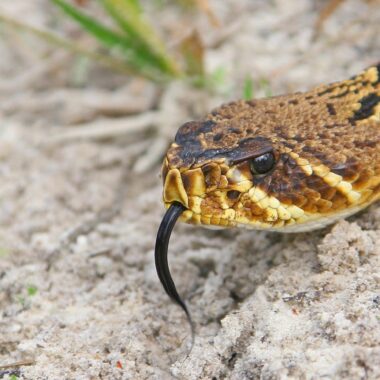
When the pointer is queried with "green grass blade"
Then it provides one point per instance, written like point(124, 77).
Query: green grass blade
point(126, 15)
point(265, 85)
point(105, 35)
point(135, 5)
point(133, 54)
point(248, 88)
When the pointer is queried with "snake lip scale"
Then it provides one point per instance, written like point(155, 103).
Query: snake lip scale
point(289, 163)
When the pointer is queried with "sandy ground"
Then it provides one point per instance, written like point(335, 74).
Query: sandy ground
point(79, 295)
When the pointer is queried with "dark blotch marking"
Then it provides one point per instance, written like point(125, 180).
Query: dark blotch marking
point(188, 137)
point(298, 138)
point(363, 83)
point(316, 153)
point(328, 90)
point(340, 169)
point(190, 131)
point(293, 101)
point(367, 105)
point(290, 145)
point(316, 183)
point(366, 144)
point(207, 126)
point(347, 169)
point(331, 109)
point(323, 135)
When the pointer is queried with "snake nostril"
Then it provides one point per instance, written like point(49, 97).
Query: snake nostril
point(233, 195)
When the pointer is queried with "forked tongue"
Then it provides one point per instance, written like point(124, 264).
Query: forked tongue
point(161, 257)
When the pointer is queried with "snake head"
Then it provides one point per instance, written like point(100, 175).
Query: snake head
point(247, 164)
point(222, 171)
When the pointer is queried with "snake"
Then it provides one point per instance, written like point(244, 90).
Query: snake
point(288, 163)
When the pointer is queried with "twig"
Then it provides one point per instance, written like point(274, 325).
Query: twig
point(100, 252)
point(20, 363)
point(13, 368)
point(104, 129)
point(76, 101)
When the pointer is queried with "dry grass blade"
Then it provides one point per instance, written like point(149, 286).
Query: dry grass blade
point(54, 39)
point(104, 129)
point(18, 364)
point(326, 12)
point(203, 6)
point(193, 52)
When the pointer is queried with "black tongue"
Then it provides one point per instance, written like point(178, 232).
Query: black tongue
point(161, 254)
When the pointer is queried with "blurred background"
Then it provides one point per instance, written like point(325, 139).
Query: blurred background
point(91, 95)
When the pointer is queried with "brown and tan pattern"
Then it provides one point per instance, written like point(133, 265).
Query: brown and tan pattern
point(326, 149)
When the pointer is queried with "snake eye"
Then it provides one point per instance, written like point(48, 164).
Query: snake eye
point(262, 164)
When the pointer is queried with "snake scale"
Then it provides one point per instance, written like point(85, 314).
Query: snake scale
point(289, 163)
